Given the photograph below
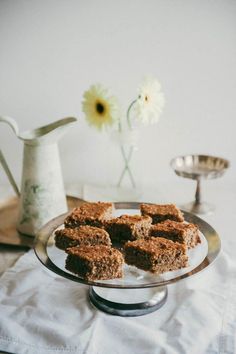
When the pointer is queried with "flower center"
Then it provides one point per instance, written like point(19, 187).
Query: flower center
point(100, 108)
point(146, 98)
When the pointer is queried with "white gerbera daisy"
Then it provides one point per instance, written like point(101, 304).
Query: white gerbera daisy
point(99, 107)
point(150, 102)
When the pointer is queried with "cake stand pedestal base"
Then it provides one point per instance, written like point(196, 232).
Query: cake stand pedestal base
point(198, 208)
point(128, 302)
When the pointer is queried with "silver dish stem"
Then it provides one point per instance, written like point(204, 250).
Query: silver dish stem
point(198, 206)
point(198, 193)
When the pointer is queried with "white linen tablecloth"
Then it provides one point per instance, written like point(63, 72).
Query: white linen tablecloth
point(41, 312)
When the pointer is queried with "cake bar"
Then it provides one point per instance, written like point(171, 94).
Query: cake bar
point(93, 214)
point(177, 232)
point(161, 212)
point(157, 255)
point(95, 262)
point(81, 236)
point(128, 227)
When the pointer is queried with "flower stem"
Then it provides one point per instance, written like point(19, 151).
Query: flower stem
point(126, 159)
point(128, 113)
point(119, 126)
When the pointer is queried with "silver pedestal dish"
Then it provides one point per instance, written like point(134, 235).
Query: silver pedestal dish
point(199, 167)
point(138, 292)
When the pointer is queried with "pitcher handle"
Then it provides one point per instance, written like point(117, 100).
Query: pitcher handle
point(10, 121)
point(11, 179)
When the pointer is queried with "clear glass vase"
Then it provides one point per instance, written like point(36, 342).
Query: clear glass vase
point(126, 186)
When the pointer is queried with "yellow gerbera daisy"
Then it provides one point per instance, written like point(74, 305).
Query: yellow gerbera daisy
point(99, 107)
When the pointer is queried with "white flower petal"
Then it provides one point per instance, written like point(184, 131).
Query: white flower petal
point(150, 102)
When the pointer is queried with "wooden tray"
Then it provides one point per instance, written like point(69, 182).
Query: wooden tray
point(8, 220)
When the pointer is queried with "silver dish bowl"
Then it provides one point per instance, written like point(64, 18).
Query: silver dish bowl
point(198, 167)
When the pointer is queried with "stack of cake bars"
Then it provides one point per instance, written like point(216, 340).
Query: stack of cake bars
point(99, 244)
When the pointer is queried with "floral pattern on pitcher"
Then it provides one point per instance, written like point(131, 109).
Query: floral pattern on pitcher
point(34, 203)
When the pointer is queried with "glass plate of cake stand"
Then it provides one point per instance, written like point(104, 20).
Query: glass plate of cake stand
point(199, 167)
point(138, 292)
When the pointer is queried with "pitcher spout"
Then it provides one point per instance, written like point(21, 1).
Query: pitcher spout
point(46, 134)
point(49, 133)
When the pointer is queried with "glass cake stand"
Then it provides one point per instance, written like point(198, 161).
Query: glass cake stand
point(199, 167)
point(138, 292)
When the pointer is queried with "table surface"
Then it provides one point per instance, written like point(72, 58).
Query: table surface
point(222, 195)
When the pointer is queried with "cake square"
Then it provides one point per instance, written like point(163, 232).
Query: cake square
point(95, 262)
point(177, 232)
point(157, 255)
point(161, 212)
point(128, 227)
point(93, 214)
point(81, 236)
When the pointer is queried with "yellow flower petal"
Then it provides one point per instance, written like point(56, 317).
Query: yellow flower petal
point(99, 107)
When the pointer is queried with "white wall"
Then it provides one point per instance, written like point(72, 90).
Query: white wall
point(51, 51)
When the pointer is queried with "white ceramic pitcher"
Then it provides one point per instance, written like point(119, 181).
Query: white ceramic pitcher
point(42, 195)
